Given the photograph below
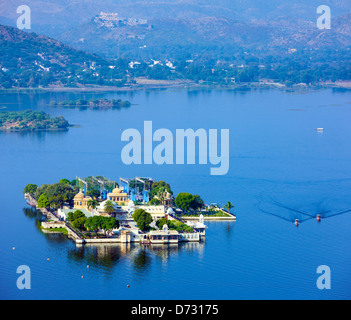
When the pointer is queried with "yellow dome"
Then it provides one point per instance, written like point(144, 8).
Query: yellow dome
point(116, 190)
point(79, 195)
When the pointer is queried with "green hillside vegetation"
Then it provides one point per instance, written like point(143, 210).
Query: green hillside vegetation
point(29, 60)
point(30, 121)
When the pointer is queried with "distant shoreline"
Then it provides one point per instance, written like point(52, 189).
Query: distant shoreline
point(162, 84)
point(34, 130)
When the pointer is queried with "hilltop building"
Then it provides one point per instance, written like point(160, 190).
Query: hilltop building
point(118, 196)
point(168, 200)
point(80, 201)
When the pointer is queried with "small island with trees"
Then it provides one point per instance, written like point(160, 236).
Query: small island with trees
point(102, 104)
point(98, 210)
point(28, 120)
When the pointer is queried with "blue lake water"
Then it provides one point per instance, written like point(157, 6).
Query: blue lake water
point(275, 155)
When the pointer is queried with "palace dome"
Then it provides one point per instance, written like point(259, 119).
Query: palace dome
point(116, 190)
point(79, 196)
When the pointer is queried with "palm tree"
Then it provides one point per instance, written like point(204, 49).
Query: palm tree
point(228, 206)
point(161, 194)
point(92, 204)
point(109, 206)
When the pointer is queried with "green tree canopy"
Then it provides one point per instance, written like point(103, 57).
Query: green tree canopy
point(57, 201)
point(79, 223)
point(43, 201)
point(174, 225)
point(94, 193)
point(71, 216)
point(187, 201)
point(155, 201)
point(109, 223)
point(142, 219)
point(57, 189)
point(92, 204)
point(156, 186)
point(197, 202)
point(65, 181)
point(104, 223)
point(93, 223)
point(30, 188)
point(109, 207)
point(228, 206)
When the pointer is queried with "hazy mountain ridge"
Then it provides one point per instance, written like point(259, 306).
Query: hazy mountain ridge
point(250, 24)
point(74, 12)
point(31, 60)
point(282, 33)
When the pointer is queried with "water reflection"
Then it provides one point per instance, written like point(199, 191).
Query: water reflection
point(34, 100)
point(35, 135)
point(142, 259)
point(38, 217)
point(229, 229)
point(33, 213)
point(107, 256)
point(165, 252)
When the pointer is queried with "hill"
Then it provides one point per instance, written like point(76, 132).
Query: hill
point(29, 59)
point(172, 37)
point(32, 60)
point(182, 27)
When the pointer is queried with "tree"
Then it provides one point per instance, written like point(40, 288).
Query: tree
point(56, 189)
point(56, 202)
point(184, 200)
point(197, 202)
point(92, 204)
point(43, 201)
point(155, 201)
point(79, 223)
point(93, 224)
point(187, 201)
point(137, 213)
point(161, 222)
point(71, 216)
point(174, 225)
point(65, 181)
point(142, 219)
point(161, 194)
point(109, 207)
point(30, 188)
point(157, 185)
point(109, 223)
point(94, 193)
point(228, 206)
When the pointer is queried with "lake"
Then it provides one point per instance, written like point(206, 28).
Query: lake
point(280, 166)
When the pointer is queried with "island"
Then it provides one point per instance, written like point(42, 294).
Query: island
point(99, 210)
point(93, 104)
point(28, 120)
